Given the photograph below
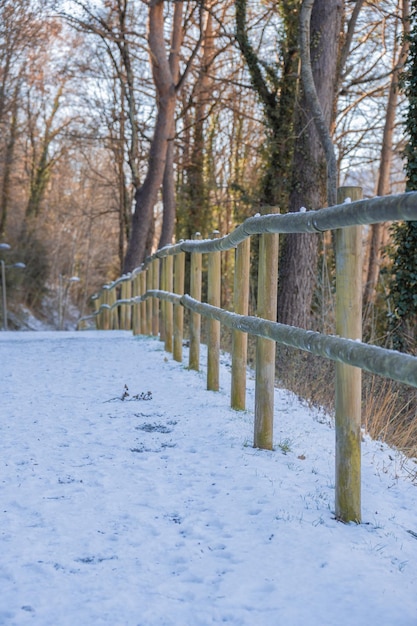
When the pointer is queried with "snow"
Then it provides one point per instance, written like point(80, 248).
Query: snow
point(160, 512)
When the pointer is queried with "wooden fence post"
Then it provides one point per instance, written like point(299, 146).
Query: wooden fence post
point(348, 378)
point(149, 307)
point(213, 341)
point(129, 306)
point(178, 308)
point(122, 308)
point(136, 306)
point(125, 310)
point(143, 326)
point(168, 305)
point(239, 339)
point(155, 301)
point(114, 313)
point(105, 316)
point(265, 348)
point(195, 318)
point(98, 301)
point(162, 303)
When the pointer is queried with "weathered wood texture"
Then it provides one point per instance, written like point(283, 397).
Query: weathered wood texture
point(348, 378)
point(239, 339)
point(155, 301)
point(265, 348)
point(114, 313)
point(162, 308)
point(195, 318)
point(136, 306)
point(149, 285)
point(179, 270)
point(169, 327)
point(125, 312)
point(213, 342)
point(143, 320)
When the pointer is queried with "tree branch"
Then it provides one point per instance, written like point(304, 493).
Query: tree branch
point(258, 81)
point(313, 101)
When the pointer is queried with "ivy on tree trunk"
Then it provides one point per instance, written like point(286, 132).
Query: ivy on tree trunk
point(403, 287)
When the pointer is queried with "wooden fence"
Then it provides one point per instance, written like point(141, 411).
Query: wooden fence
point(152, 302)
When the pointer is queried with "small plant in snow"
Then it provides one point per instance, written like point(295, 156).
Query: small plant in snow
point(285, 445)
point(144, 395)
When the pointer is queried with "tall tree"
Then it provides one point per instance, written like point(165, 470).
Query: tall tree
point(403, 287)
point(276, 84)
point(20, 26)
point(41, 160)
point(298, 263)
point(384, 174)
point(117, 64)
point(168, 81)
point(195, 211)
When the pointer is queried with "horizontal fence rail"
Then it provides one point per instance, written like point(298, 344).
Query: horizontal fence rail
point(131, 302)
point(381, 361)
point(401, 207)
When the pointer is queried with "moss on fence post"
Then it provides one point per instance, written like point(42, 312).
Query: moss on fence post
point(143, 326)
point(265, 348)
point(169, 265)
point(162, 304)
point(213, 341)
point(155, 301)
point(348, 378)
point(195, 318)
point(114, 311)
point(178, 308)
point(125, 309)
point(240, 339)
point(98, 301)
point(136, 306)
point(149, 283)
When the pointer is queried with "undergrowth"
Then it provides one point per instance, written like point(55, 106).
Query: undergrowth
point(389, 409)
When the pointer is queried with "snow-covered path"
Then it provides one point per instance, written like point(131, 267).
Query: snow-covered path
point(159, 512)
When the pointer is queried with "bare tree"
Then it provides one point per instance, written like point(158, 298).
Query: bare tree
point(41, 159)
point(276, 82)
point(298, 267)
point(168, 82)
point(312, 99)
point(116, 63)
point(384, 174)
point(20, 26)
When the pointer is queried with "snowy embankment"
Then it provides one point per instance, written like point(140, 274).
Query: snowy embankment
point(159, 511)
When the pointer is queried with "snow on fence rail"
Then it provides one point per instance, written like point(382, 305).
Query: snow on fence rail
point(152, 301)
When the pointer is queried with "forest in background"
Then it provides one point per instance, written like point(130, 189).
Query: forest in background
point(199, 105)
point(126, 125)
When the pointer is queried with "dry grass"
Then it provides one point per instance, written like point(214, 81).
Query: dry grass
point(389, 409)
point(389, 413)
point(309, 377)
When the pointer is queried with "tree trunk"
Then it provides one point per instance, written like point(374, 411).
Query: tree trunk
point(384, 187)
point(8, 161)
point(42, 167)
point(298, 266)
point(198, 185)
point(146, 196)
point(168, 197)
point(278, 100)
point(164, 73)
